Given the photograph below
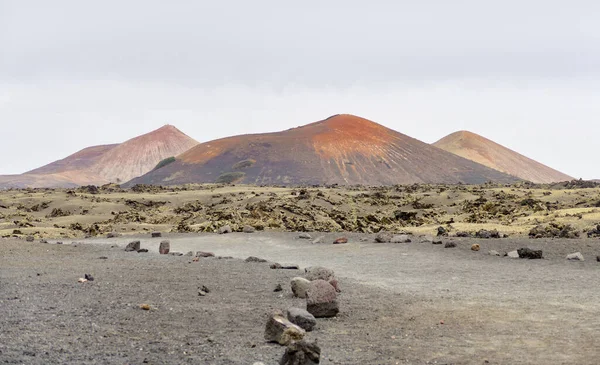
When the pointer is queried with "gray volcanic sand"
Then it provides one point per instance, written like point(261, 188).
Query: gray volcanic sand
point(495, 309)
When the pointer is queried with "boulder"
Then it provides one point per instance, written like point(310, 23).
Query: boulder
point(577, 256)
point(156, 234)
point(248, 229)
point(164, 247)
point(301, 353)
point(133, 246)
point(475, 247)
point(526, 253)
point(383, 237)
point(402, 238)
point(204, 254)
point(318, 273)
point(300, 286)
point(321, 299)
point(301, 318)
point(304, 236)
point(340, 240)
point(450, 244)
point(279, 329)
point(225, 229)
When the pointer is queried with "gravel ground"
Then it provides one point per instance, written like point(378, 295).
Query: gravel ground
point(393, 302)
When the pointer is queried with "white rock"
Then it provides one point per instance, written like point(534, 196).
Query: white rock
point(513, 254)
point(402, 238)
point(300, 286)
point(577, 256)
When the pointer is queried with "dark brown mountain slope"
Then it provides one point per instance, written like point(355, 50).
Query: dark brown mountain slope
point(489, 153)
point(342, 149)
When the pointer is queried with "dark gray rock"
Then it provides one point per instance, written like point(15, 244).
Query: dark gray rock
point(527, 253)
point(248, 229)
point(255, 259)
point(133, 246)
point(156, 234)
point(301, 353)
point(442, 232)
point(142, 250)
point(204, 254)
point(450, 244)
point(301, 318)
point(29, 239)
point(383, 237)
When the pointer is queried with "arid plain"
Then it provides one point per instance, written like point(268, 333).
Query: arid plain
point(415, 302)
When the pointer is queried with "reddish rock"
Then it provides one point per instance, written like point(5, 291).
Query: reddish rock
point(321, 299)
point(164, 248)
point(340, 241)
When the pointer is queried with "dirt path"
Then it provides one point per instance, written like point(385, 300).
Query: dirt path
point(495, 309)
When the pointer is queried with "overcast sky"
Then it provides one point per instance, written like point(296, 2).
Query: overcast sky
point(79, 73)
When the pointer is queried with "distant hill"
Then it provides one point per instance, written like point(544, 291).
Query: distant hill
point(99, 165)
point(491, 154)
point(342, 149)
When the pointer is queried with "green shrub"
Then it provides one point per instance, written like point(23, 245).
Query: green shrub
point(243, 164)
point(230, 177)
point(164, 162)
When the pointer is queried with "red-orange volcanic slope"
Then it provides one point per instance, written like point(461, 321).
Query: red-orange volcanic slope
point(481, 150)
point(99, 165)
point(342, 149)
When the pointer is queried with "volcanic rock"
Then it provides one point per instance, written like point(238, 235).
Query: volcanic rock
point(204, 254)
point(513, 254)
point(225, 229)
point(340, 240)
point(450, 244)
point(301, 318)
point(248, 229)
point(156, 234)
point(279, 329)
point(133, 246)
point(403, 238)
point(321, 299)
point(526, 253)
point(255, 259)
point(301, 353)
point(164, 247)
point(383, 237)
point(304, 236)
point(300, 286)
point(577, 256)
point(475, 247)
point(318, 273)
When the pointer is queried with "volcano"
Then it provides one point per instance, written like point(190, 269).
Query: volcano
point(493, 155)
point(342, 149)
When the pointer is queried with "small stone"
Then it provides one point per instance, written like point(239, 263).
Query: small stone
point(204, 254)
point(102, 258)
point(301, 318)
point(225, 229)
point(299, 286)
point(133, 246)
point(89, 277)
point(436, 241)
point(442, 232)
point(142, 250)
point(318, 240)
point(164, 247)
point(59, 243)
point(290, 267)
point(145, 307)
point(318, 273)
point(190, 253)
point(340, 240)
point(301, 353)
point(275, 266)
point(203, 290)
point(43, 241)
point(403, 238)
point(175, 253)
point(304, 236)
point(248, 229)
point(475, 247)
point(254, 259)
point(29, 239)
point(321, 299)
point(450, 244)
point(156, 234)
point(526, 253)
point(279, 329)
point(513, 254)
point(82, 280)
point(493, 253)
point(278, 288)
point(112, 235)
point(383, 237)
point(577, 256)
